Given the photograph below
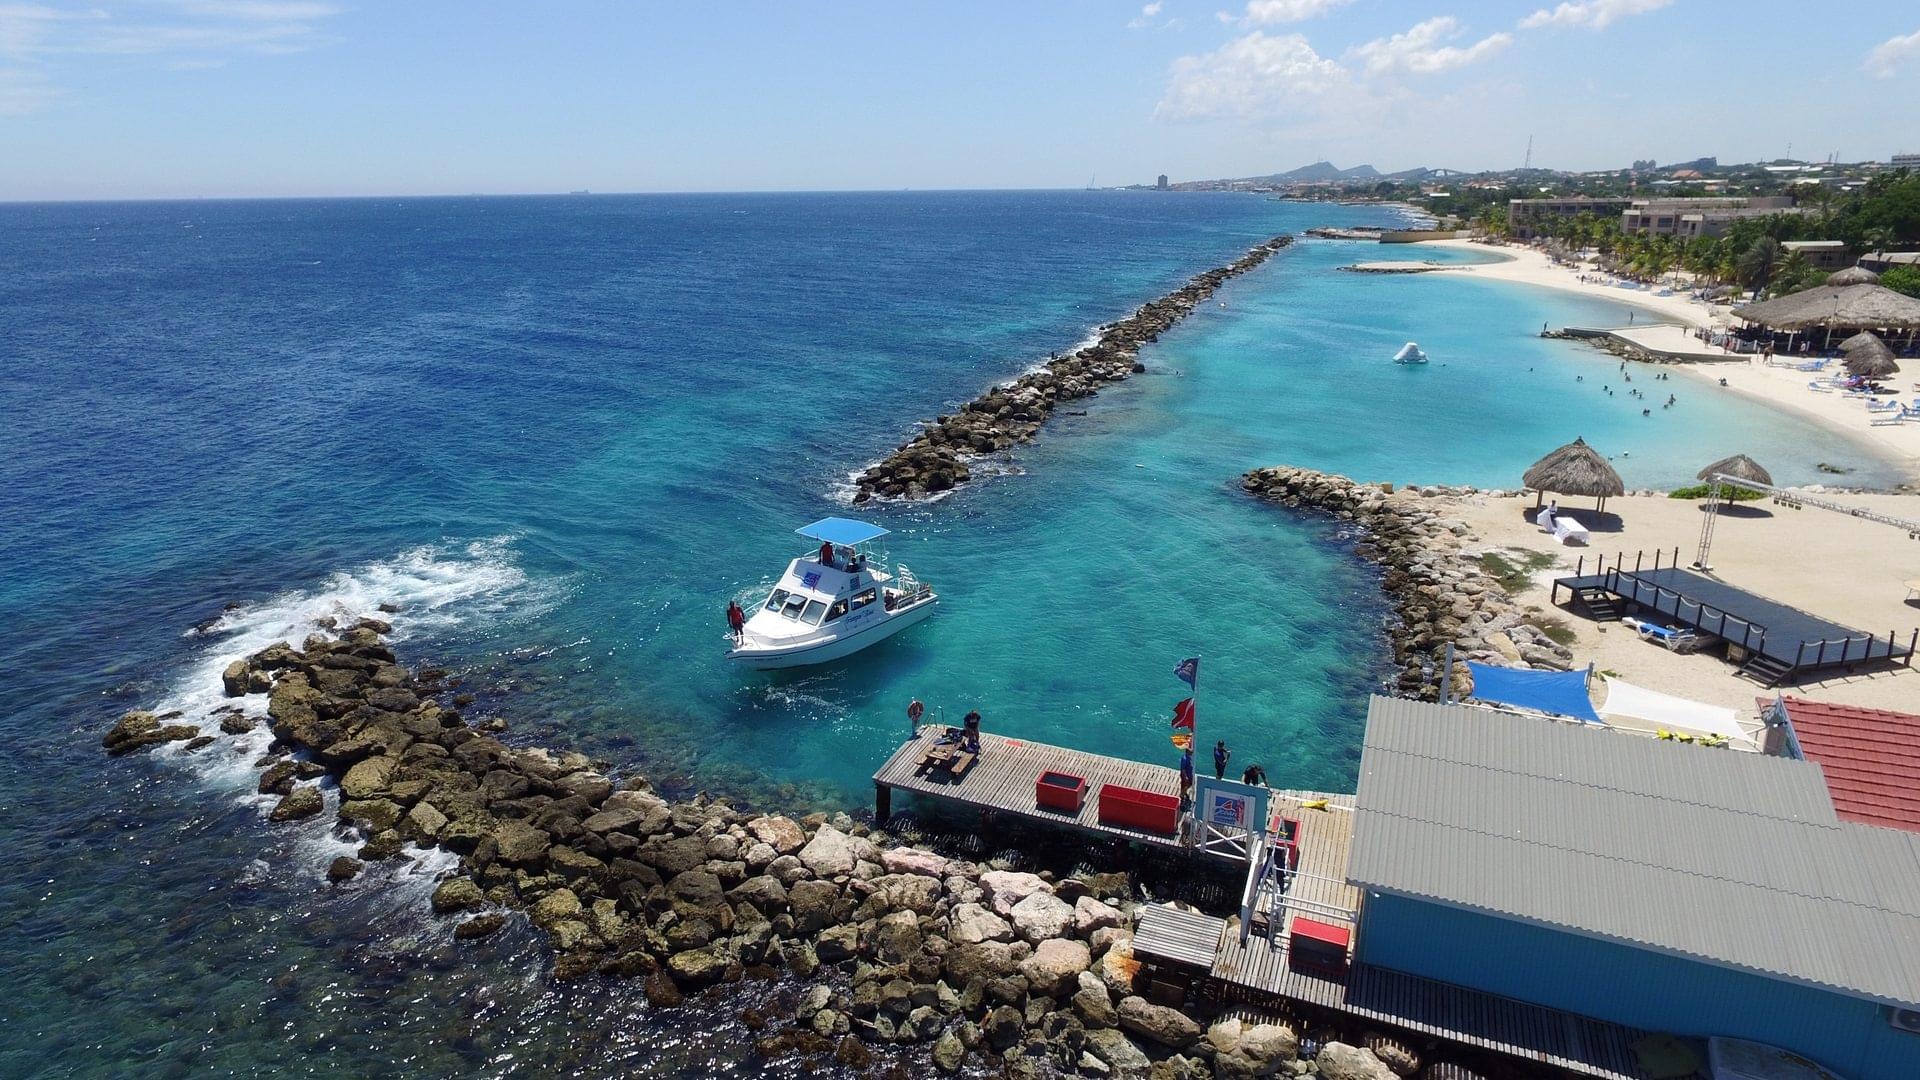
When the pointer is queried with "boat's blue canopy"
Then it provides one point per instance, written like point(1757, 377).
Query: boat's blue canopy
point(843, 531)
point(1563, 693)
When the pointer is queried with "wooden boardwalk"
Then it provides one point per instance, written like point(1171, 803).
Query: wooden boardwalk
point(1001, 782)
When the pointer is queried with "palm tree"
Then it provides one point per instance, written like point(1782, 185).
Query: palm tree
point(1757, 263)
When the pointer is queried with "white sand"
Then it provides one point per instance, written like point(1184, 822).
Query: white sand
point(1841, 568)
point(1779, 388)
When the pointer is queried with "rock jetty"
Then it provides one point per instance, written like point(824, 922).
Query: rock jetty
point(1439, 592)
point(936, 459)
point(876, 948)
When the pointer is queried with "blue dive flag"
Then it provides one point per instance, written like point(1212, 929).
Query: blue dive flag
point(1188, 671)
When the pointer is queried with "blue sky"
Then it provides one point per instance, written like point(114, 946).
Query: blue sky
point(165, 98)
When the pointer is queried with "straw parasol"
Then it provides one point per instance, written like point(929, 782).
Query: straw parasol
point(1740, 467)
point(1575, 469)
point(1869, 356)
point(1850, 300)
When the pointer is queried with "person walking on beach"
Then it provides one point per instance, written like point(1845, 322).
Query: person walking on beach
point(1220, 756)
point(736, 620)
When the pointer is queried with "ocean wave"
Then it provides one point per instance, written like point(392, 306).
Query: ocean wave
point(432, 590)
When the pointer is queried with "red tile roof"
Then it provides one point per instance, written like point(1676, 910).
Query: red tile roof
point(1871, 758)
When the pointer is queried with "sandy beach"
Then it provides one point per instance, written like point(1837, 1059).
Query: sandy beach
point(1780, 388)
point(1849, 570)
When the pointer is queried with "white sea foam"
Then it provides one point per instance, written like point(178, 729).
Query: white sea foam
point(434, 589)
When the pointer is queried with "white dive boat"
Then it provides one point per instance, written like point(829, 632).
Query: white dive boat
point(832, 602)
point(1410, 353)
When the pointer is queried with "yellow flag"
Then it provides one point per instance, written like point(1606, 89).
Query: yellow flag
point(1183, 742)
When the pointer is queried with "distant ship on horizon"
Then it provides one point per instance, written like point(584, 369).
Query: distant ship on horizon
point(582, 191)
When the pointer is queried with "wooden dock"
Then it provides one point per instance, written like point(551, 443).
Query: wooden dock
point(1001, 782)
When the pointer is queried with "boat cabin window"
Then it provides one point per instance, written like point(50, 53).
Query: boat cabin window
point(838, 609)
point(796, 603)
point(861, 600)
point(812, 615)
point(777, 600)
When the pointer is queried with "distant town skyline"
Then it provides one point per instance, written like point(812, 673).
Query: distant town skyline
point(191, 98)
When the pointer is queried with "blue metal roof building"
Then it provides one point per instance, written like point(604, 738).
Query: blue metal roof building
point(1661, 886)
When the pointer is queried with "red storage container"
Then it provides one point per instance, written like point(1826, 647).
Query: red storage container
point(1060, 791)
point(1133, 808)
point(1318, 947)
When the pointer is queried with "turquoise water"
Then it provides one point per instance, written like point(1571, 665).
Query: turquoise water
point(561, 434)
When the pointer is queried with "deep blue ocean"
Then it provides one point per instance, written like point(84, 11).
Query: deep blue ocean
point(561, 433)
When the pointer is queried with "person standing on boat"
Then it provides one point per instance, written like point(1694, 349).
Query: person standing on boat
point(736, 620)
point(1220, 756)
point(826, 554)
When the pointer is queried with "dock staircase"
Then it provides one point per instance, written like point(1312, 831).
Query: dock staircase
point(1766, 670)
point(1600, 605)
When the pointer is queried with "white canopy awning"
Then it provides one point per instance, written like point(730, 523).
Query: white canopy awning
point(1638, 706)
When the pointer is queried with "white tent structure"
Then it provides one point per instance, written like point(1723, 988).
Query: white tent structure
point(1636, 707)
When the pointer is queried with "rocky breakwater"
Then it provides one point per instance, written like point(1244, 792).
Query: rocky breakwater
point(873, 947)
point(936, 459)
point(1439, 592)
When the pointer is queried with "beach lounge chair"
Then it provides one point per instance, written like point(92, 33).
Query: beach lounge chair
point(1676, 639)
point(1888, 419)
point(1820, 387)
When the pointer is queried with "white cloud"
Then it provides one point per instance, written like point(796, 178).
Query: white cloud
point(1593, 14)
point(202, 28)
point(1270, 12)
point(1888, 57)
point(23, 92)
point(1144, 20)
point(1255, 75)
point(1419, 51)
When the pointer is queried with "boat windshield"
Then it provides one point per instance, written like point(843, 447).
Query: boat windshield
point(777, 600)
point(812, 615)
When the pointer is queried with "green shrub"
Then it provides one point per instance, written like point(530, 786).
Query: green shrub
point(1727, 492)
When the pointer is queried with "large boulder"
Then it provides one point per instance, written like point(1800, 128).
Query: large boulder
point(782, 834)
point(457, 894)
point(520, 844)
point(908, 892)
point(140, 730)
point(1005, 888)
point(1269, 1044)
point(1338, 1061)
point(1055, 963)
point(985, 960)
point(813, 903)
point(698, 967)
point(830, 853)
point(1042, 915)
point(303, 801)
point(972, 924)
point(1119, 1052)
point(1090, 915)
point(1170, 1028)
point(905, 860)
point(1117, 967)
point(368, 778)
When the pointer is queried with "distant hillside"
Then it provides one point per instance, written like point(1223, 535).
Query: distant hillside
point(1320, 172)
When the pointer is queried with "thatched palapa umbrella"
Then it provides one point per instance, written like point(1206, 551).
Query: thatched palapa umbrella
point(1740, 467)
point(1852, 299)
point(1869, 356)
point(1575, 469)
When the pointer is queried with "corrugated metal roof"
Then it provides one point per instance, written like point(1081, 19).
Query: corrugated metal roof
point(1871, 758)
point(1731, 858)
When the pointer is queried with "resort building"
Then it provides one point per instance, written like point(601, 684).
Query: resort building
point(1878, 261)
point(1527, 218)
point(1869, 757)
point(1905, 161)
point(1701, 892)
point(1820, 254)
point(1690, 218)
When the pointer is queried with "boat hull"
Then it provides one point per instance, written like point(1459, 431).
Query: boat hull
point(808, 653)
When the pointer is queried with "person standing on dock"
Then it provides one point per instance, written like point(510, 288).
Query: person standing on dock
point(1186, 782)
point(972, 731)
point(1220, 756)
